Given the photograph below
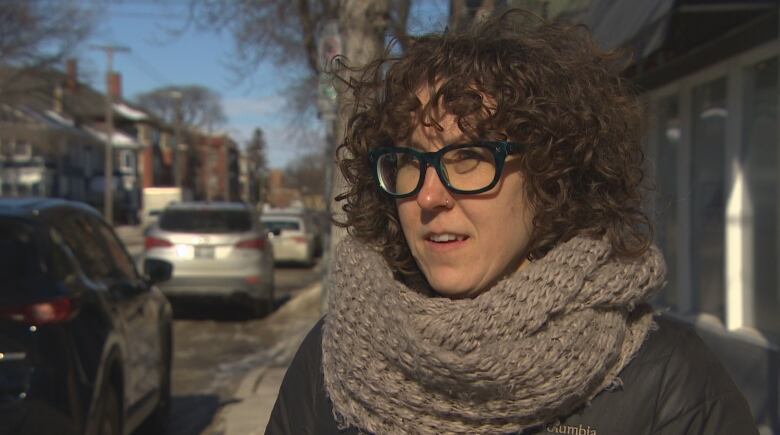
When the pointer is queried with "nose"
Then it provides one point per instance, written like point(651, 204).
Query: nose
point(433, 193)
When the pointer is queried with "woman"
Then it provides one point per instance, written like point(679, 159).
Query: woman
point(498, 270)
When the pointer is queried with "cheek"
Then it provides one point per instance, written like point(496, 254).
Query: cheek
point(521, 210)
point(406, 213)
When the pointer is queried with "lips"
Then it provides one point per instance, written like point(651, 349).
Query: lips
point(445, 237)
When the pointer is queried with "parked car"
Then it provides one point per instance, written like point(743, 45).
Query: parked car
point(85, 340)
point(218, 250)
point(292, 236)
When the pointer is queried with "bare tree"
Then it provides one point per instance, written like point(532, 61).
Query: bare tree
point(41, 33)
point(363, 29)
point(307, 172)
point(191, 106)
point(288, 33)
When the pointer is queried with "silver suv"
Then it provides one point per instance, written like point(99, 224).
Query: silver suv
point(217, 250)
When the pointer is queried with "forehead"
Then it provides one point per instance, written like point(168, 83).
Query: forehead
point(433, 128)
point(432, 136)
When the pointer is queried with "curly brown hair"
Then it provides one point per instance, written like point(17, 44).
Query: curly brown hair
point(515, 77)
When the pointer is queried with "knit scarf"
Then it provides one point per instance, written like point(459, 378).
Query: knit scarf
point(532, 349)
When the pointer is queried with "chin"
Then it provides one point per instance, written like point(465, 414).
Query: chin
point(452, 289)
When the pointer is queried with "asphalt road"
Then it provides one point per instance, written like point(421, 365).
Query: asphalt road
point(215, 346)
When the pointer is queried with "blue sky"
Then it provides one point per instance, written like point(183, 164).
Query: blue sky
point(160, 57)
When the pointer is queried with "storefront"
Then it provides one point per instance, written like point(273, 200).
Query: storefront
point(708, 75)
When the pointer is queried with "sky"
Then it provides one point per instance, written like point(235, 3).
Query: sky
point(164, 51)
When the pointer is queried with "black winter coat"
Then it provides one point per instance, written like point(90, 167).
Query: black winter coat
point(673, 386)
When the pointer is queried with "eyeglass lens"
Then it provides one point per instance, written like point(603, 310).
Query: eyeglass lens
point(465, 169)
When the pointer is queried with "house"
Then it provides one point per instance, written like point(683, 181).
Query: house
point(213, 171)
point(60, 101)
point(44, 154)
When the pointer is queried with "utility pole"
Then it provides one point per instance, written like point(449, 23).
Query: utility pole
point(178, 152)
point(108, 167)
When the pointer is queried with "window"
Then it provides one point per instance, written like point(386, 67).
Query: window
point(22, 150)
point(63, 265)
point(88, 161)
point(82, 241)
point(760, 159)
point(708, 143)
point(666, 201)
point(19, 255)
point(282, 225)
point(122, 266)
point(126, 161)
point(206, 221)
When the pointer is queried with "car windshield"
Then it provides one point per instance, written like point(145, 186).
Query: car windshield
point(206, 221)
point(282, 225)
point(18, 254)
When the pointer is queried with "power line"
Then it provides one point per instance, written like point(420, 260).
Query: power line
point(150, 70)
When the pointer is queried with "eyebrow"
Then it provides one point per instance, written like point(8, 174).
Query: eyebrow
point(411, 143)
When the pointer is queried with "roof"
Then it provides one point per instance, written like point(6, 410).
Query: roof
point(202, 205)
point(642, 25)
point(282, 218)
point(120, 139)
point(647, 26)
point(130, 112)
point(36, 89)
point(33, 205)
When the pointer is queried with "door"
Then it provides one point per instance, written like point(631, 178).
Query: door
point(139, 312)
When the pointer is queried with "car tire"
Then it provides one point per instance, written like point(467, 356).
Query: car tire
point(263, 307)
point(157, 422)
point(108, 413)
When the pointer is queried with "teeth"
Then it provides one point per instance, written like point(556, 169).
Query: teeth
point(446, 237)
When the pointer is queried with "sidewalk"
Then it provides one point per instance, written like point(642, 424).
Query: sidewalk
point(256, 394)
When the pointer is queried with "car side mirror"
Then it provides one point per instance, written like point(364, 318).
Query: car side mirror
point(276, 231)
point(157, 270)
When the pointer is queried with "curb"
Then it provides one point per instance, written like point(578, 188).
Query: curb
point(257, 391)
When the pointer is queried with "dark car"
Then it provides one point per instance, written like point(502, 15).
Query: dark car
point(85, 340)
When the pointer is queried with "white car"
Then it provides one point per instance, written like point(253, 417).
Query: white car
point(291, 237)
point(218, 250)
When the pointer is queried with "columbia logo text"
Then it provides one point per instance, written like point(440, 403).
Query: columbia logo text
point(571, 430)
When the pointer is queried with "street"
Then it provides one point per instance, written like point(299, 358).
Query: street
point(216, 346)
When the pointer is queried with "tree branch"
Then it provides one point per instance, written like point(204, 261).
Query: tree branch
point(308, 28)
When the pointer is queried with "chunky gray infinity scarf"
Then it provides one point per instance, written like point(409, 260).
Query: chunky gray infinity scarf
point(533, 348)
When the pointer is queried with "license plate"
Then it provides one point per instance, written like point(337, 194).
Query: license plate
point(204, 252)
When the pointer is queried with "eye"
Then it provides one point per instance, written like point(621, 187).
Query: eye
point(468, 154)
point(404, 160)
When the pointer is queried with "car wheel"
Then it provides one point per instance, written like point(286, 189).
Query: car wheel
point(262, 307)
point(108, 414)
point(157, 422)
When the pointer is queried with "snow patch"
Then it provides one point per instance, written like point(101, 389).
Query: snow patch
point(130, 113)
point(119, 139)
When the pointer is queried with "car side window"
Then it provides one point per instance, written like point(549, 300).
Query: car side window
point(122, 264)
point(63, 260)
point(82, 241)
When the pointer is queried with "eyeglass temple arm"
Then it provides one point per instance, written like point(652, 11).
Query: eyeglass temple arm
point(513, 147)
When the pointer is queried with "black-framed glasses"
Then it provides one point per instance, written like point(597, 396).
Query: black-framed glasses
point(468, 168)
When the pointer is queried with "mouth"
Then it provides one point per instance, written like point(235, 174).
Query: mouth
point(445, 238)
